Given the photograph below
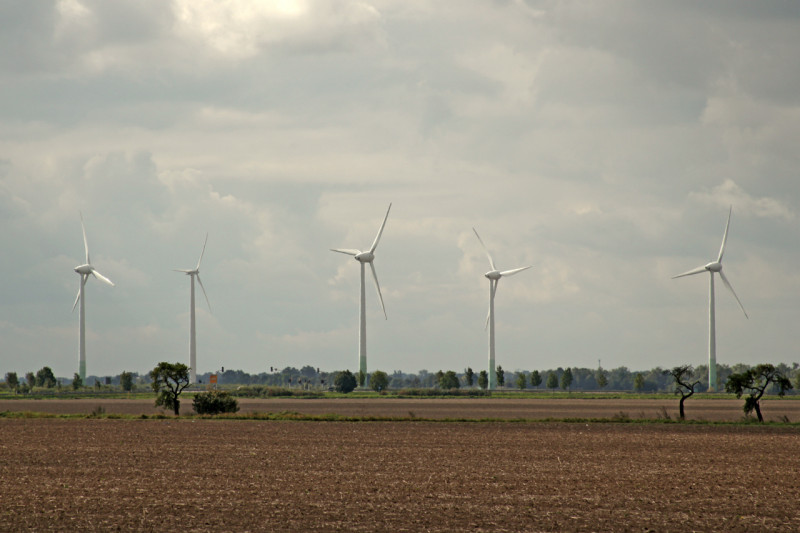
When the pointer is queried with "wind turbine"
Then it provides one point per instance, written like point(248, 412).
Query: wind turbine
point(711, 268)
point(192, 335)
point(493, 276)
point(364, 258)
point(85, 270)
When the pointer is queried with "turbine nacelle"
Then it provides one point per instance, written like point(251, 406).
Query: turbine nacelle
point(714, 266)
point(365, 257)
point(494, 275)
point(84, 269)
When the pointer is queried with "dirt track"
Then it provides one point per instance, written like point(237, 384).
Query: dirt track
point(474, 408)
point(223, 475)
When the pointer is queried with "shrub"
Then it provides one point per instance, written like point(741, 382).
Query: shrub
point(214, 402)
point(261, 391)
point(344, 382)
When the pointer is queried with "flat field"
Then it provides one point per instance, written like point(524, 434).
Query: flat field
point(245, 475)
point(715, 410)
point(250, 475)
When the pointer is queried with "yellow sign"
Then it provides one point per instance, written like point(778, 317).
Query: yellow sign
point(213, 379)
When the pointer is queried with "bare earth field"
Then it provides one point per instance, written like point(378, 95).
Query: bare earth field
point(240, 475)
point(439, 408)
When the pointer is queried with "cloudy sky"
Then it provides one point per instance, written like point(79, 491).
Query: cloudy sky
point(601, 142)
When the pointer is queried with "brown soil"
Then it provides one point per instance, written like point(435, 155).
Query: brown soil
point(234, 475)
point(472, 408)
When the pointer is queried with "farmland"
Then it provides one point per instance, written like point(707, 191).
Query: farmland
point(716, 410)
point(211, 475)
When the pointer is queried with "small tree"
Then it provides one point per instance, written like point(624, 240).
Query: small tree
point(214, 402)
point(77, 382)
point(30, 380)
point(344, 382)
point(501, 376)
point(45, 378)
point(522, 381)
point(469, 377)
point(638, 382)
point(12, 381)
point(449, 380)
point(601, 378)
point(483, 379)
point(756, 380)
point(566, 379)
point(379, 381)
point(536, 379)
point(552, 381)
point(126, 381)
point(169, 380)
point(682, 375)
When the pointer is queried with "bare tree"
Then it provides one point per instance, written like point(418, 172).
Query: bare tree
point(682, 375)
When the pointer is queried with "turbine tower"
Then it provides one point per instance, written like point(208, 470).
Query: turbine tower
point(364, 258)
point(493, 276)
point(85, 270)
point(192, 335)
point(711, 268)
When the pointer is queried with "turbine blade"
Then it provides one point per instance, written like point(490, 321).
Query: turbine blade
point(201, 253)
point(84, 277)
point(204, 290)
point(85, 242)
point(491, 261)
point(377, 286)
point(181, 270)
point(101, 277)
point(512, 272)
point(725, 236)
point(78, 297)
point(348, 251)
point(380, 231)
point(691, 272)
point(730, 288)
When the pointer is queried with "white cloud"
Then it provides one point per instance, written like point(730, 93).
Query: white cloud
point(570, 135)
point(239, 29)
point(728, 193)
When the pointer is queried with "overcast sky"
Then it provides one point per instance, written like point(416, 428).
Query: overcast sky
point(601, 142)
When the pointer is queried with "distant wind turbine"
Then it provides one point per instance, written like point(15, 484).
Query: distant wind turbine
point(85, 270)
point(192, 335)
point(493, 276)
point(364, 258)
point(711, 268)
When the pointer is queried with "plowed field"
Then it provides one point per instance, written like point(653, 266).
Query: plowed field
point(238, 475)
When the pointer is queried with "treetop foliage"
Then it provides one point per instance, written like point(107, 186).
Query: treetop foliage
point(344, 382)
point(169, 380)
point(756, 380)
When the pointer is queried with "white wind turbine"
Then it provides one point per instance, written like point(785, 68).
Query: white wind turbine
point(85, 270)
point(192, 335)
point(711, 268)
point(494, 276)
point(364, 258)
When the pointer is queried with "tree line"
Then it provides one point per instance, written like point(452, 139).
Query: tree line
point(311, 378)
point(169, 380)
